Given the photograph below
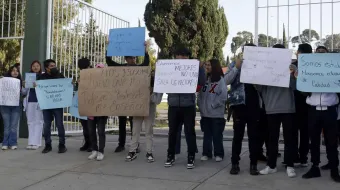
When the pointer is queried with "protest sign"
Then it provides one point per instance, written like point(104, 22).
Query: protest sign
point(54, 93)
point(176, 76)
point(9, 91)
point(319, 72)
point(126, 42)
point(74, 111)
point(266, 66)
point(30, 78)
point(114, 91)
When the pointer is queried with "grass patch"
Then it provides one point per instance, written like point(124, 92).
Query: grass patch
point(162, 106)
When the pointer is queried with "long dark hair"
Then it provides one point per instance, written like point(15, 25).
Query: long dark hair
point(8, 74)
point(36, 61)
point(216, 70)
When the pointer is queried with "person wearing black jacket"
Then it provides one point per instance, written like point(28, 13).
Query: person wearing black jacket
point(53, 114)
point(301, 118)
point(130, 61)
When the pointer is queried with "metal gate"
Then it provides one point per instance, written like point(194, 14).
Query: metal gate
point(79, 30)
point(297, 21)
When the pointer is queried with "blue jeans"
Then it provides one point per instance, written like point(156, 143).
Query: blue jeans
point(11, 117)
point(213, 134)
point(57, 115)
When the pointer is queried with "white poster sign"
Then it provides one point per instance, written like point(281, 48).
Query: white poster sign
point(176, 76)
point(266, 66)
point(9, 91)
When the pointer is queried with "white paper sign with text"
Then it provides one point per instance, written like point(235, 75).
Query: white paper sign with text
point(176, 76)
point(9, 91)
point(266, 66)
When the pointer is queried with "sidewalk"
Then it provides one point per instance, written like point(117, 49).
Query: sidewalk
point(31, 170)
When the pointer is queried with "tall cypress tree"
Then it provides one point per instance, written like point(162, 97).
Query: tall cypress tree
point(284, 38)
point(199, 25)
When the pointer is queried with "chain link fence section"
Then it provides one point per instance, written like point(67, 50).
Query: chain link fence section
point(80, 30)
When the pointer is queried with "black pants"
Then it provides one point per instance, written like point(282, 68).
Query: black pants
point(122, 129)
point(241, 118)
point(179, 139)
point(301, 138)
point(326, 120)
point(213, 135)
point(86, 132)
point(177, 116)
point(274, 124)
point(339, 131)
point(263, 132)
point(99, 124)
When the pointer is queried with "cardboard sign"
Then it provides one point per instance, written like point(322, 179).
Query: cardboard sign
point(114, 91)
point(176, 76)
point(266, 66)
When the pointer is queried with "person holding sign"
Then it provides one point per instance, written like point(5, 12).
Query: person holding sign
point(10, 108)
point(182, 109)
point(211, 101)
point(130, 61)
point(35, 120)
point(53, 114)
point(155, 99)
point(323, 114)
point(244, 100)
point(280, 109)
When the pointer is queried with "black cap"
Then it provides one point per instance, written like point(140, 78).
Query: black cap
point(183, 51)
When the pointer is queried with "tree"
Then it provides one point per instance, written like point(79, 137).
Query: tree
point(304, 36)
point(199, 25)
point(264, 41)
point(335, 40)
point(284, 38)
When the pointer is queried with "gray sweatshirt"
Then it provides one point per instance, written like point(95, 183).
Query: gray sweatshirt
point(212, 99)
point(278, 99)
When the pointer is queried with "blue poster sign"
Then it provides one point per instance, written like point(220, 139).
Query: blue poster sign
point(55, 93)
point(126, 42)
point(30, 78)
point(74, 111)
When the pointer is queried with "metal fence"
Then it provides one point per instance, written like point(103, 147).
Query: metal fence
point(79, 30)
point(301, 21)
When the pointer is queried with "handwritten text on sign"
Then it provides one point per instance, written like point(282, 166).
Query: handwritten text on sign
point(319, 72)
point(176, 76)
point(55, 93)
point(114, 91)
point(9, 91)
point(30, 79)
point(266, 66)
point(126, 42)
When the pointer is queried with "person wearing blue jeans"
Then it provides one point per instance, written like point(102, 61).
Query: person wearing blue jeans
point(11, 114)
point(53, 114)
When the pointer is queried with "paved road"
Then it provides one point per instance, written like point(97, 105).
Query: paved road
point(30, 170)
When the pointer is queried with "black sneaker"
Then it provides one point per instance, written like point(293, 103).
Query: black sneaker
point(150, 157)
point(169, 161)
point(120, 149)
point(262, 158)
point(326, 167)
point(62, 149)
point(335, 175)
point(253, 170)
point(235, 169)
point(312, 173)
point(191, 162)
point(47, 149)
point(86, 148)
point(131, 156)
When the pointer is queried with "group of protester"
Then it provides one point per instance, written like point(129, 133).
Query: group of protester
point(263, 109)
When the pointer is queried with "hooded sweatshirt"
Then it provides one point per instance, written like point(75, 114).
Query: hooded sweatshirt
point(278, 99)
point(212, 99)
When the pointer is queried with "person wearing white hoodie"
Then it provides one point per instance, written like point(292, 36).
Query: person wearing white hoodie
point(211, 101)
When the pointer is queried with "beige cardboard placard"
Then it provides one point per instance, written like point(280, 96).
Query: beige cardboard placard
point(114, 91)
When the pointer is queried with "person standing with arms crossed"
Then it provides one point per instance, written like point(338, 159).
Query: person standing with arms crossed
point(130, 61)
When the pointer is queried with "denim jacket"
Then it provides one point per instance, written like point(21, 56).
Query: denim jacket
point(236, 95)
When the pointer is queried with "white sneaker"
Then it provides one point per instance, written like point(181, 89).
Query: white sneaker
point(291, 172)
point(29, 147)
point(4, 147)
point(268, 170)
point(100, 156)
point(34, 147)
point(218, 159)
point(93, 155)
point(204, 158)
point(14, 147)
